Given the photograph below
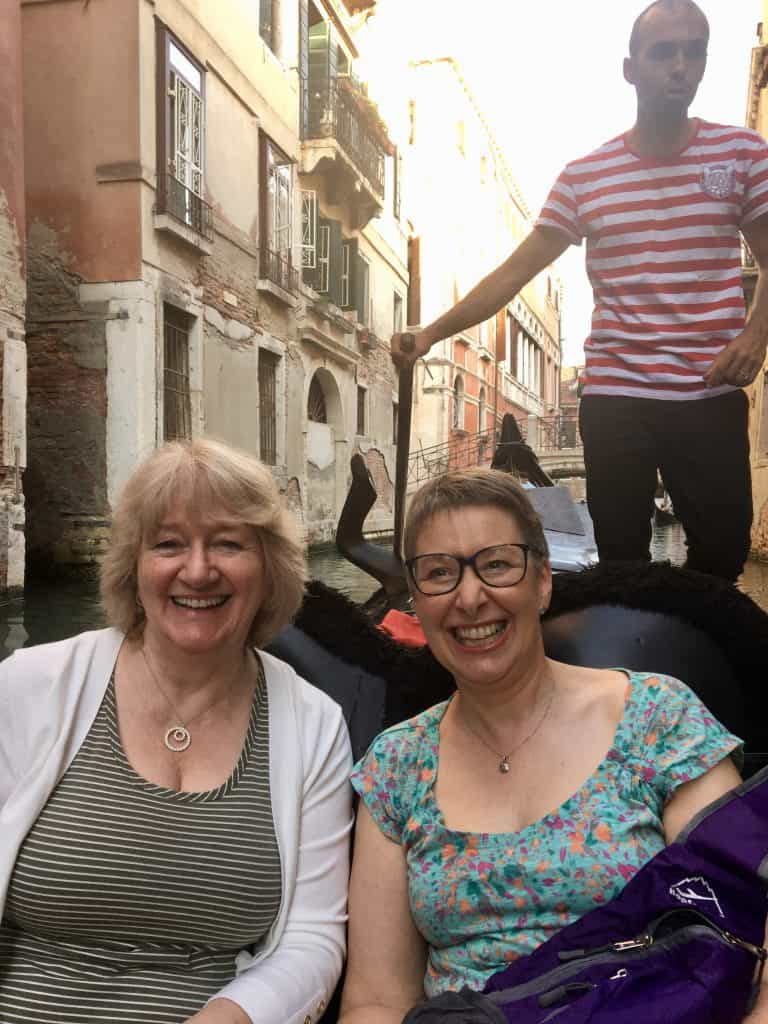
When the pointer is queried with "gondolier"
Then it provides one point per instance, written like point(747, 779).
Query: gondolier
point(661, 208)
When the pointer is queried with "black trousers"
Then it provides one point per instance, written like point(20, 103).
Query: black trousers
point(701, 449)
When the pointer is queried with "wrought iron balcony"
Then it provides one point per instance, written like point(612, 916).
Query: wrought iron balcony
point(181, 203)
point(334, 113)
point(278, 269)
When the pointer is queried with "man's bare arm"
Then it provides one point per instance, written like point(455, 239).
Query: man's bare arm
point(740, 361)
point(536, 252)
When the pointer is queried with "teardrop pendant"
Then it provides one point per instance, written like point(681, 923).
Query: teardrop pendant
point(504, 765)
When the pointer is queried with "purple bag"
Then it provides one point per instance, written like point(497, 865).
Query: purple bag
point(681, 944)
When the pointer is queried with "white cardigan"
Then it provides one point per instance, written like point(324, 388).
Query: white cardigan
point(49, 697)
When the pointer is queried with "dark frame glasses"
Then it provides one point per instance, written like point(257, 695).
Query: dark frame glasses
point(438, 586)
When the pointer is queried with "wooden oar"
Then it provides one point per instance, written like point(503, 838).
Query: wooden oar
point(405, 397)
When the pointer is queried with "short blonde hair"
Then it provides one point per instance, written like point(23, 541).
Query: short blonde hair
point(201, 474)
point(464, 488)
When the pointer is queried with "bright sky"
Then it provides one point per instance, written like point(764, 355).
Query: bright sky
point(548, 75)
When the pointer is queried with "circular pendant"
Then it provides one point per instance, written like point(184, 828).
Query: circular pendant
point(504, 766)
point(177, 738)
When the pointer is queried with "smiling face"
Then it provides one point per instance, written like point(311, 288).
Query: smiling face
point(669, 61)
point(482, 635)
point(201, 582)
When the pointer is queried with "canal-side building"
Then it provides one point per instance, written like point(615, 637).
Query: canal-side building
point(13, 361)
point(469, 214)
point(757, 119)
point(211, 250)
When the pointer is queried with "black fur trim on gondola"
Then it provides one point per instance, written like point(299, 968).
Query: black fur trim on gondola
point(728, 617)
point(415, 680)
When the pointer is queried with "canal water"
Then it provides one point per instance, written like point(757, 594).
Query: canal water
point(52, 611)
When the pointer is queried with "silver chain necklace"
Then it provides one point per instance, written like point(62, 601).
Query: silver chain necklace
point(178, 737)
point(504, 766)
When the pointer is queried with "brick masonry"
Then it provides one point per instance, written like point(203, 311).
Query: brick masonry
point(66, 483)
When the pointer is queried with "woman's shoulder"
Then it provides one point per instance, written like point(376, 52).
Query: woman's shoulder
point(46, 663)
point(411, 738)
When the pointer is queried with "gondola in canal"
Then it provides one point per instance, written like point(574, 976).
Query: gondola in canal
point(644, 616)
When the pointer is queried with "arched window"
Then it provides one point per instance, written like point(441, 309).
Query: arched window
point(316, 411)
point(458, 403)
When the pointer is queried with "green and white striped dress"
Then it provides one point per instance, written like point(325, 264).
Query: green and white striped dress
point(129, 902)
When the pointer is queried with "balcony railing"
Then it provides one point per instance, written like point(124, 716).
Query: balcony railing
point(334, 114)
point(181, 203)
point(558, 432)
point(473, 450)
point(278, 269)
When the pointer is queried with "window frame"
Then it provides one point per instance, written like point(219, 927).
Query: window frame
point(166, 150)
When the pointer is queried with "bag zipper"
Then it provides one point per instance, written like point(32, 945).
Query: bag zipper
point(648, 938)
point(573, 961)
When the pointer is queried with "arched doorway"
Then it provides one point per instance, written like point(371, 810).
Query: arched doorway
point(325, 436)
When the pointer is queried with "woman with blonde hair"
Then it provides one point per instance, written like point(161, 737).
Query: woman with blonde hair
point(174, 802)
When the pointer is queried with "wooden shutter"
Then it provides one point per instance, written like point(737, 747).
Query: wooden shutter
point(304, 67)
point(334, 262)
point(362, 284)
point(352, 244)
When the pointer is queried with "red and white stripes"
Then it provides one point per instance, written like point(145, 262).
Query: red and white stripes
point(663, 256)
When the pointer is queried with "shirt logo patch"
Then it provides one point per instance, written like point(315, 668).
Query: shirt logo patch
point(695, 891)
point(718, 180)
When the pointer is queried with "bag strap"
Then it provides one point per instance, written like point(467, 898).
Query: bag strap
point(736, 824)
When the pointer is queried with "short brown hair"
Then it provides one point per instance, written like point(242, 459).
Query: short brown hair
point(203, 473)
point(471, 487)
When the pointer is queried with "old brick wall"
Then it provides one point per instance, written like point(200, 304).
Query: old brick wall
point(66, 481)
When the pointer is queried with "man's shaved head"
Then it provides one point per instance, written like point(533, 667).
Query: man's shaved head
point(670, 6)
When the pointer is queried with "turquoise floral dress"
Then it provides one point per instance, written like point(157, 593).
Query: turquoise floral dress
point(480, 900)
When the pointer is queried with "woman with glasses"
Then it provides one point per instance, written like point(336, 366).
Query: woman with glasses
point(493, 819)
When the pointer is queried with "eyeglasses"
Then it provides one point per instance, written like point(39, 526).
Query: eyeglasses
point(503, 565)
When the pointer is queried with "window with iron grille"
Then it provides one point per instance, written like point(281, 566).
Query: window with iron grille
point(268, 363)
point(397, 313)
point(185, 119)
point(316, 410)
point(309, 229)
point(177, 412)
point(361, 392)
point(278, 179)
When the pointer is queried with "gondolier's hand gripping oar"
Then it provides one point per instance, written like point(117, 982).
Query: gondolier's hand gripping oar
point(404, 401)
point(408, 347)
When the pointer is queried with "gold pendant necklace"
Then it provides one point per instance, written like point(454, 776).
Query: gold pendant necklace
point(504, 765)
point(178, 737)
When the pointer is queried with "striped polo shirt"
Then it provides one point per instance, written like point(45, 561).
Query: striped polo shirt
point(663, 256)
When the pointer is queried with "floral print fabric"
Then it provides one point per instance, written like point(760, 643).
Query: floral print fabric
point(480, 900)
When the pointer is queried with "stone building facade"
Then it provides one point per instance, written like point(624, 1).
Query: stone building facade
point(757, 118)
point(470, 216)
point(198, 177)
point(13, 359)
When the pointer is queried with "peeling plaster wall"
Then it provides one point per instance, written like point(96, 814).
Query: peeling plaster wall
point(13, 355)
